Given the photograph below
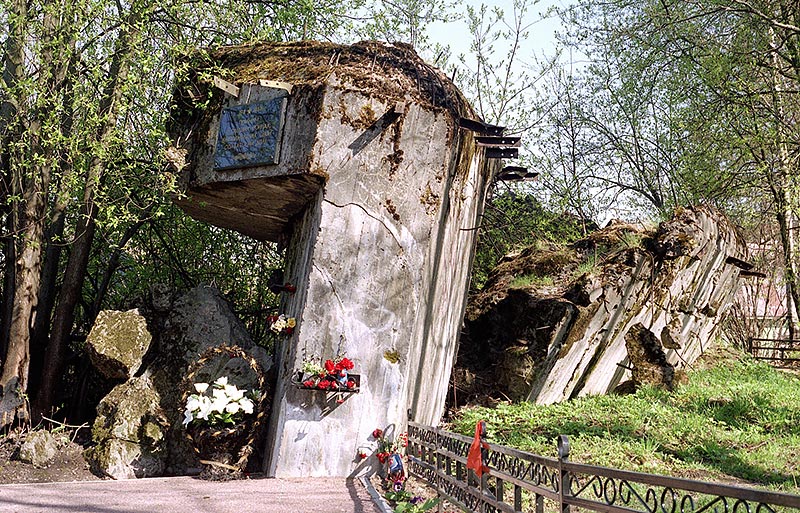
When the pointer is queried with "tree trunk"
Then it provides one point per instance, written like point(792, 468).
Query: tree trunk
point(26, 223)
point(75, 271)
point(781, 188)
point(55, 244)
point(111, 267)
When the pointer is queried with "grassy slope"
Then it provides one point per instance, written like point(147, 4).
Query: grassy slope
point(736, 421)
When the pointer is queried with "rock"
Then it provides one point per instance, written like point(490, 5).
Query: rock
point(623, 298)
point(117, 343)
point(138, 430)
point(39, 449)
point(130, 432)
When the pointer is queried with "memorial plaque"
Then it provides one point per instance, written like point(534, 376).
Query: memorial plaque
point(249, 135)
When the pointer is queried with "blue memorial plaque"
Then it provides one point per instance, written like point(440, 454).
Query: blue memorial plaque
point(249, 135)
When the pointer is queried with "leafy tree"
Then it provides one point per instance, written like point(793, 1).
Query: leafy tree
point(514, 219)
point(720, 79)
point(84, 93)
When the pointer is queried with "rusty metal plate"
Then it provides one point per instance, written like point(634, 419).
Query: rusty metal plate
point(249, 135)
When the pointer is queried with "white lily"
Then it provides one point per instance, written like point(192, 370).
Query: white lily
point(201, 387)
point(221, 381)
point(218, 404)
point(246, 405)
point(192, 403)
point(233, 392)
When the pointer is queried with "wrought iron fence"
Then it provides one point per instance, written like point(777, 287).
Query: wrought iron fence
point(778, 352)
point(518, 482)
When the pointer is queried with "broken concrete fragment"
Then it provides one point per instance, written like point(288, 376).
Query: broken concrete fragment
point(117, 343)
point(129, 432)
point(138, 431)
point(374, 187)
point(652, 305)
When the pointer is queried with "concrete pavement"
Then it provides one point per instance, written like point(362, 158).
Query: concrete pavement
point(189, 494)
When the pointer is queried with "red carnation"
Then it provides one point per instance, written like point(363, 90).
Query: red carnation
point(333, 385)
point(351, 383)
point(323, 384)
point(377, 433)
point(309, 383)
point(329, 366)
point(346, 364)
point(382, 457)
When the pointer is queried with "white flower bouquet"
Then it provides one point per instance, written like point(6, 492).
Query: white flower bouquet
point(218, 403)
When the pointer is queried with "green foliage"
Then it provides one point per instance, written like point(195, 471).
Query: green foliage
point(739, 419)
point(513, 220)
point(406, 503)
point(530, 280)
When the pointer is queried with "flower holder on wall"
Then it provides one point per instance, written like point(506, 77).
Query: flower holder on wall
point(332, 376)
point(327, 383)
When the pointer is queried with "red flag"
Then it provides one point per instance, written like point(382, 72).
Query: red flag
point(475, 456)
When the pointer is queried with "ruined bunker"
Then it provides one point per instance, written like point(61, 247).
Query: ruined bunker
point(366, 164)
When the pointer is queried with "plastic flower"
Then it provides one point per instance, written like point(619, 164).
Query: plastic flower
point(218, 403)
point(233, 393)
point(377, 433)
point(246, 405)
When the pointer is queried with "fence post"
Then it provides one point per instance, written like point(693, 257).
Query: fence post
point(564, 485)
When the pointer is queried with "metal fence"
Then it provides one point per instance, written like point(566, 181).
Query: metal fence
point(518, 482)
point(778, 352)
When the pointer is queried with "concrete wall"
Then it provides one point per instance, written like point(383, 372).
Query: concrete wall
point(376, 197)
point(382, 263)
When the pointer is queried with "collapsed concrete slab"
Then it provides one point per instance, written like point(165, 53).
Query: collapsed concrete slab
point(622, 305)
point(354, 159)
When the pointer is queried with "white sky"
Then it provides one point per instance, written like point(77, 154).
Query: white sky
point(541, 34)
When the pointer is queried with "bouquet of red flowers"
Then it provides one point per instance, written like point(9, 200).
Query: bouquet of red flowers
point(332, 375)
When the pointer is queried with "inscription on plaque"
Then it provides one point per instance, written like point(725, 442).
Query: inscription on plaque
point(249, 135)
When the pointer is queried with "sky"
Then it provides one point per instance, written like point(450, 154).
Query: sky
point(541, 34)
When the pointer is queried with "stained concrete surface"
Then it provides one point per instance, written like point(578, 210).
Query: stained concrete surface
point(188, 494)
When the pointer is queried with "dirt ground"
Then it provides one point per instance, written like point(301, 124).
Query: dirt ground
point(69, 464)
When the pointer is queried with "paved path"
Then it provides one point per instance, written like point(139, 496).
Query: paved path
point(188, 494)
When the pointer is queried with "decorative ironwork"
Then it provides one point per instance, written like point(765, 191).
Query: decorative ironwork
point(647, 495)
point(439, 457)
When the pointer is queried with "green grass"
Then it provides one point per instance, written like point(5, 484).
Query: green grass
point(530, 280)
point(737, 422)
